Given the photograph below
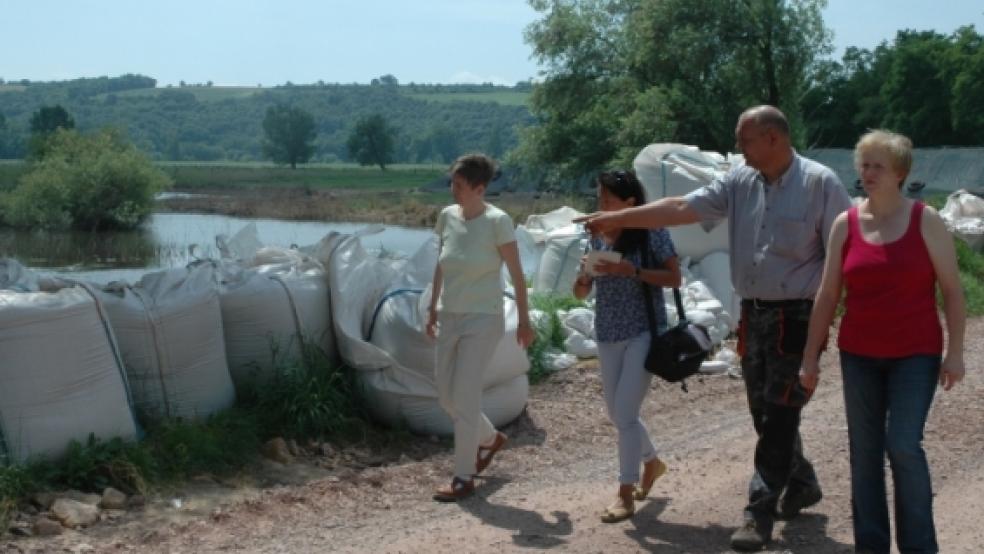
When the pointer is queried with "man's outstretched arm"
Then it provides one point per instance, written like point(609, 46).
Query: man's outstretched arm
point(665, 212)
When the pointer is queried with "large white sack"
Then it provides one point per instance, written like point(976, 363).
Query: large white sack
point(964, 217)
point(530, 251)
point(169, 330)
point(667, 170)
point(501, 404)
point(560, 262)
point(398, 328)
point(269, 314)
point(14, 276)
point(539, 226)
point(61, 375)
point(715, 271)
point(397, 393)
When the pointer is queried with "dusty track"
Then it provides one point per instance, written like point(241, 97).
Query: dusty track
point(545, 490)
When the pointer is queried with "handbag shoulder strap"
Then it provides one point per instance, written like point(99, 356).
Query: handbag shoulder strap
point(681, 314)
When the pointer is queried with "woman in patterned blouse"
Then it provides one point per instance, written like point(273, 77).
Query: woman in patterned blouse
point(622, 329)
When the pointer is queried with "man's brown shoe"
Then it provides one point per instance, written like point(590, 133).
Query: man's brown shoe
point(458, 489)
point(485, 453)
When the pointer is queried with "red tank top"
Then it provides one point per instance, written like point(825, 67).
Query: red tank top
point(891, 294)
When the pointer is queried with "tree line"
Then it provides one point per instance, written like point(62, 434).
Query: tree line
point(621, 74)
point(201, 123)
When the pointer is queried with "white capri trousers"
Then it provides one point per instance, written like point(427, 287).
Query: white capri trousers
point(465, 344)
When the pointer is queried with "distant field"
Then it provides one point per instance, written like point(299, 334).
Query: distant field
point(505, 98)
point(317, 176)
point(219, 175)
point(11, 88)
point(202, 94)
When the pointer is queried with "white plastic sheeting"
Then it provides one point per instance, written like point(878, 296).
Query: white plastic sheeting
point(396, 366)
point(61, 375)
point(964, 216)
point(169, 330)
point(674, 170)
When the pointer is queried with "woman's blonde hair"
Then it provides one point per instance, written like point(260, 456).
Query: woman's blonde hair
point(898, 147)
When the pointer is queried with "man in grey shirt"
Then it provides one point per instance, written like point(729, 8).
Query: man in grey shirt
point(780, 207)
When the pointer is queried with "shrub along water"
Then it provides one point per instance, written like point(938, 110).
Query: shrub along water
point(87, 182)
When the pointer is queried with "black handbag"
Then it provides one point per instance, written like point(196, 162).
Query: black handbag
point(677, 353)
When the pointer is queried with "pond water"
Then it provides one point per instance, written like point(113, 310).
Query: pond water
point(172, 240)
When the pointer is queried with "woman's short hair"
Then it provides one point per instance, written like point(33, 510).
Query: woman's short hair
point(477, 169)
point(898, 147)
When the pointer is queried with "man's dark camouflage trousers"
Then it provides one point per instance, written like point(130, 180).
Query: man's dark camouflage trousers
point(771, 341)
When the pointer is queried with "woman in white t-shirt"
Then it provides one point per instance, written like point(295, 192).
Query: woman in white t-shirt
point(466, 314)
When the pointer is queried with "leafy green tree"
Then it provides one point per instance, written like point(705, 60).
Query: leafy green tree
point(372, 141)
point(916, 93)
point(685, 69)
point(88, 182)
point(290, 135)
point(44, 122)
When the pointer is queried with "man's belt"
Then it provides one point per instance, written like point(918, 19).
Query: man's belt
point(759, 304)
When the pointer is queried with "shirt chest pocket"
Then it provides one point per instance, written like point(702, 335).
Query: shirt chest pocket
point(790, 237)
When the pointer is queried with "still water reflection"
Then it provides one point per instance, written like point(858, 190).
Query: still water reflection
point(167, 240)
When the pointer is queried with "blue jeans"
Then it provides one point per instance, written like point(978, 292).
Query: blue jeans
point(887, 401)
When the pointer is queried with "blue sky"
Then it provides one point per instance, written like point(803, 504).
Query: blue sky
point(249, 42)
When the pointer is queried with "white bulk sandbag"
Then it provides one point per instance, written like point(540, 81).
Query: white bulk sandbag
point(560, 262)
point(398, 329)
point(61, 375)
point(397, 394)
point(580, 320)
point(581, 346)
point(964, 217)
point(269, 314)
point(540, 226)
point(421, 414)
point(667, 170)
point(715, 271)
point(530, 251)
point(14, 276)
point(169, 330)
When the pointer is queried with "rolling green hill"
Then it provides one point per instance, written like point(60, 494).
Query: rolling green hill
point(435, 123)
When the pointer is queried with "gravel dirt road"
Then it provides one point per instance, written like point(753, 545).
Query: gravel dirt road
point(545, 491)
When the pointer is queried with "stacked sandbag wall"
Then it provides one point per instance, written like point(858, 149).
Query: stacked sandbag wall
point(62, 376)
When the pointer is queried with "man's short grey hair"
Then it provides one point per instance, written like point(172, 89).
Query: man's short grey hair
point(768, 117)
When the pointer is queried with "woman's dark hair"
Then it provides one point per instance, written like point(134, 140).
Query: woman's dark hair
point(477, 169)
point(625, 185)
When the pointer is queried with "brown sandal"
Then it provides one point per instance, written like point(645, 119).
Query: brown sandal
point(457, 490)
point(485, 453)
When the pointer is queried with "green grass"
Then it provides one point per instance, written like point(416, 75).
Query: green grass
point(549, 331)
point(318, 176)
point(505, 98)
point(971, 266)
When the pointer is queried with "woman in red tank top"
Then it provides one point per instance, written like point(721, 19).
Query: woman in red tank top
point(889, 254)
